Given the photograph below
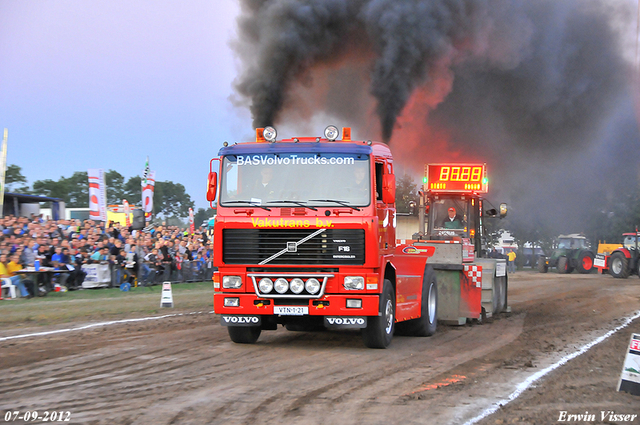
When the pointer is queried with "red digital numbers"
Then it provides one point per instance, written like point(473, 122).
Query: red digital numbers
point(451, 178)
point(460, 174)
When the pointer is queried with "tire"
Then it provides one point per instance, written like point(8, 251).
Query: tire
point(500, 292)
point(244, 334)
point(427, 324)
point(585, 262)
point(619, 265)
point(542, 265)
point(379, 330)
point(563, 265)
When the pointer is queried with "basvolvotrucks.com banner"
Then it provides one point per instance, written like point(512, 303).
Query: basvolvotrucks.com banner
point(293, 159)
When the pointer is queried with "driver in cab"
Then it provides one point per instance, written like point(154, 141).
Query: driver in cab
point(453, 220)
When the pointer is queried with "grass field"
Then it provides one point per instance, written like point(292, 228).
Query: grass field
point(102, 304)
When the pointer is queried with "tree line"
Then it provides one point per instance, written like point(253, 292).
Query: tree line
point(169, 200)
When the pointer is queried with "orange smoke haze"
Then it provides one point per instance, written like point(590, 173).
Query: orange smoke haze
point(415, 140)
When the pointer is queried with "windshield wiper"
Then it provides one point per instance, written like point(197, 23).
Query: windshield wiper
point(255, 204)
point(343, 203)
point(302, 204)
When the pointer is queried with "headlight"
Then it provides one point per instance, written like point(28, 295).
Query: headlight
point(312, 285)
point(231, 282)
point(297, 285)
point(331, 132)
point(269, 134)
point(265, 285)
point(281, 285)
point(353, 282)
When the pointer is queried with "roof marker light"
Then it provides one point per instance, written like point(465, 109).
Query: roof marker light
point(270, 134)
point(331, 132)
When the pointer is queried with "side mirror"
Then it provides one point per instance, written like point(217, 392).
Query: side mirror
point(389, 188)
point(503, 210)
point(493, 213)
point(412, 207)
point(212, 186)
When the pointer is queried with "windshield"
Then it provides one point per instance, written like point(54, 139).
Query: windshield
point(294, 180)
point(448, 216)
point(570, 243)
point(630, 242)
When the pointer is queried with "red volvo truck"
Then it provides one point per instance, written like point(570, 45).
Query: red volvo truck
point(305, 237)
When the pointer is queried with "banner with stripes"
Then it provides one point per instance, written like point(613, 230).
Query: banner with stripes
point(97, 195)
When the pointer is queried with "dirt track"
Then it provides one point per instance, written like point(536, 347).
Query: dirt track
point(184, 370)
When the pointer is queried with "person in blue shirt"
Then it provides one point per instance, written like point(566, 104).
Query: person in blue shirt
point(59, 263)
point(100, 255)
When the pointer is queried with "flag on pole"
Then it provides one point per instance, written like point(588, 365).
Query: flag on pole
point(145, 173)
point(147, 195)
point(97, 195)
point(3, 170)
point(127, 211)
point(191, 224)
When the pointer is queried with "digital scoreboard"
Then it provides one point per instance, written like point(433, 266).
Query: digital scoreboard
point(456, 178)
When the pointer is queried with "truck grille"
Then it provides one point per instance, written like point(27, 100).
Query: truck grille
point(253, 246)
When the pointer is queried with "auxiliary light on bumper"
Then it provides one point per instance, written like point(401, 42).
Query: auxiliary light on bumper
point(232, 302)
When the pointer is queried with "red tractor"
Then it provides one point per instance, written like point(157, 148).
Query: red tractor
point(624, 261)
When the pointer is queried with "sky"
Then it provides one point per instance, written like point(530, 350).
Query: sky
point(104, 84)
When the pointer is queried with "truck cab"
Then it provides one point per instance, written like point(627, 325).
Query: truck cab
point(305, 237)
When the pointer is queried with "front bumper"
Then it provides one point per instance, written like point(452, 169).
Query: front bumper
point(328, 305)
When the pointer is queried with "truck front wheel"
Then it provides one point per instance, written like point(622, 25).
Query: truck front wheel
point(244, 334)
point(379, 330)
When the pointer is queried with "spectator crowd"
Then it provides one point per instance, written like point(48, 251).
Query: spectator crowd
point(161, 253)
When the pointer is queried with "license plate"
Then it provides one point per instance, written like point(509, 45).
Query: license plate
point(290, 311)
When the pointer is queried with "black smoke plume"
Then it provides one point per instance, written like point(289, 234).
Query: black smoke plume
point(541, 90)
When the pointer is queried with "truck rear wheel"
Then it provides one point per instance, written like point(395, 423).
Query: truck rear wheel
point(585, 262)
point(244, 334)
point(542, 265)
point(619, 265)
point(500, 285)
point(379, 330)
point(427, 323)
point(563, 265)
